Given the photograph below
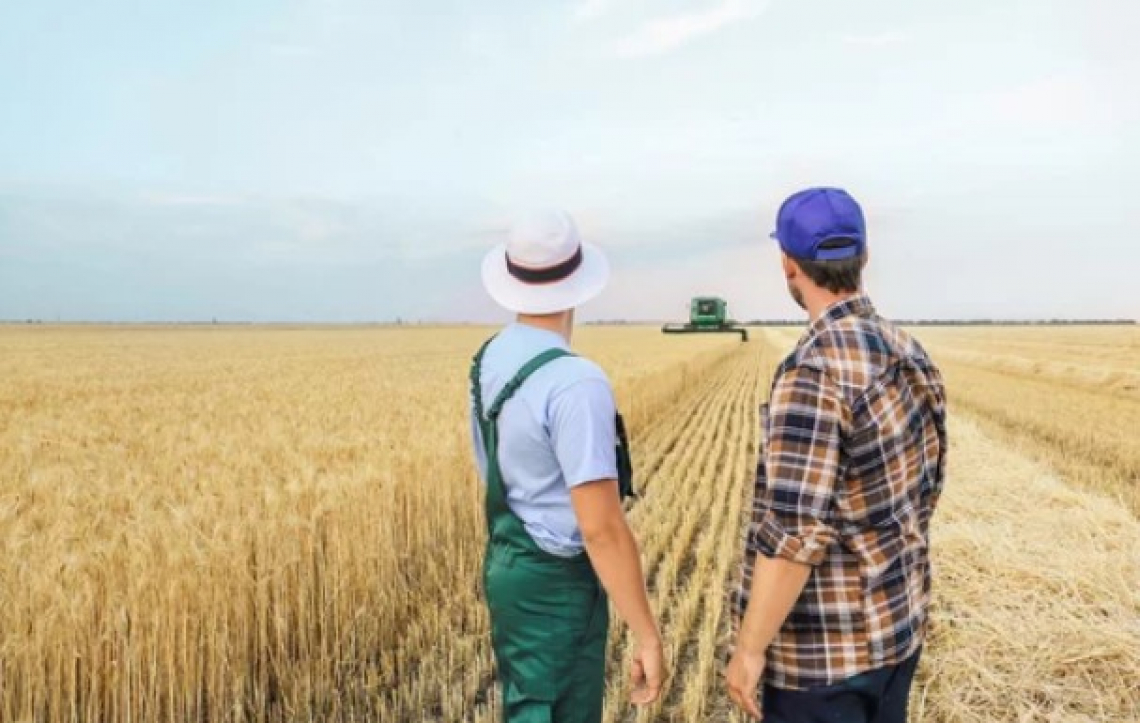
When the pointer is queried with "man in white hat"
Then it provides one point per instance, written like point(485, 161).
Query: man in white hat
point(546, 436)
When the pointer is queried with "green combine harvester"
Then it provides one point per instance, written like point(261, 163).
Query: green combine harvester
point(707, 315)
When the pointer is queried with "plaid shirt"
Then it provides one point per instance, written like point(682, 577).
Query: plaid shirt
point(851, 467)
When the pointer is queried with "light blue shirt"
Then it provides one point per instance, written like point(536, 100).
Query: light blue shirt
point(557, 432)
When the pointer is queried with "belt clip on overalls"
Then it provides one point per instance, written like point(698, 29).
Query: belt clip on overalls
point(549, 614)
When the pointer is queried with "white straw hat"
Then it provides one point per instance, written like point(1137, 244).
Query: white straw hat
point(544, 267)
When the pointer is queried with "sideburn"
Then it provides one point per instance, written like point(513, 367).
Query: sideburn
point(797, 295)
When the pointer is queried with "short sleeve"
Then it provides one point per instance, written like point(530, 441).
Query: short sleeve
point(583, 431)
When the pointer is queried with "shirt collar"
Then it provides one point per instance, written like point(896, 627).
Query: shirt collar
point(552, 339)
point(858, 305)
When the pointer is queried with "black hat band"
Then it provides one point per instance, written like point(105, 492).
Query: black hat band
point(547, 275)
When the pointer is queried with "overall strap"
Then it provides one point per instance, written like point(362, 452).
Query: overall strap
point(523, 374)
point(488, 422)
point(503, 525)
point(511, 387)
point(476, 370)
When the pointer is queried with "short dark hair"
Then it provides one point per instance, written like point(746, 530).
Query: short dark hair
point(840, 276)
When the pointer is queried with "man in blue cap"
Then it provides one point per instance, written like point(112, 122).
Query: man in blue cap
point(832, 608)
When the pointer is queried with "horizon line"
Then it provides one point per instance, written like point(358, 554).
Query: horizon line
point(397, 323)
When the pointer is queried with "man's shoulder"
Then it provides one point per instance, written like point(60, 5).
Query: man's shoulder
point(573, 370)
point(576, 383)
point(822, 349)
point(869, 339)
point(512, 352)
point(857, 351)
point(851, 352)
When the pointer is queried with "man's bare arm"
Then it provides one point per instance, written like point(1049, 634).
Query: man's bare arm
point(615, 556)
point(776, 586)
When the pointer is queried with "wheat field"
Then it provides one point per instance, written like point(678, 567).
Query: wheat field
point(283, 524)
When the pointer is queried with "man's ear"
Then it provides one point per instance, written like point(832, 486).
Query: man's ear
point(790, 268)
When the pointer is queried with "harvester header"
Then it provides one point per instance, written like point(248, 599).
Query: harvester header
point(707, 315)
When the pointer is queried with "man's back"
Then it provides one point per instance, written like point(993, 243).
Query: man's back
point(559, 549)
point(860, 408)
point(556, 433)
point(896, 435)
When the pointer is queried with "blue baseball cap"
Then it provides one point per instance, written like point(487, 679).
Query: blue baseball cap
point(821, 224)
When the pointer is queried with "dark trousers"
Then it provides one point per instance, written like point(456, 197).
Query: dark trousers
point(877, 696)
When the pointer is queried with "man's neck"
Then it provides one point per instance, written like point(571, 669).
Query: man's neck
point(817, 304)
point(549, 322)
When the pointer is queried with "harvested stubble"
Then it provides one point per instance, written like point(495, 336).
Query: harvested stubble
point(689, 527)
point(1102, 357)
point(1038, 589)
point(1075, 407)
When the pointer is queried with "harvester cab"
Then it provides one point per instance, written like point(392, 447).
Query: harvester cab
point(707, 315)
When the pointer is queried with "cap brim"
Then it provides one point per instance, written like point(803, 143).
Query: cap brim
point(584, 284)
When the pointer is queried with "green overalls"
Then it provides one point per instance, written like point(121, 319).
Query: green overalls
point(549, 614)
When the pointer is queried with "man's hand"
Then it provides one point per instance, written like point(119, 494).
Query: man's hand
point(647, 672)
point(613, 553)
point(745, 671)
point(776, 585)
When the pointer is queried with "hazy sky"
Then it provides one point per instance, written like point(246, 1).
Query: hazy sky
point(350, 160)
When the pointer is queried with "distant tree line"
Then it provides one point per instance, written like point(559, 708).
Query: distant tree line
point(908, 322)
point(970, 322)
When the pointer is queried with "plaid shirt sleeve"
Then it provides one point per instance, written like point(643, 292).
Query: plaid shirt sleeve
point(799, 468)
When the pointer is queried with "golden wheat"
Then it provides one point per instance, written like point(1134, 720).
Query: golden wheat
point(1075, 407)
point(284, 524)
point(255, 524)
